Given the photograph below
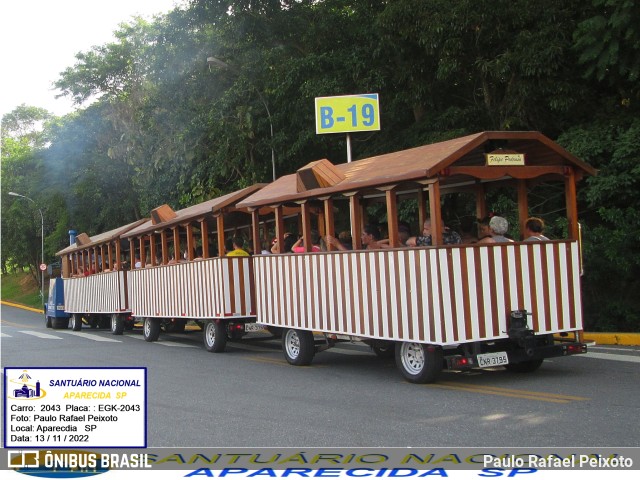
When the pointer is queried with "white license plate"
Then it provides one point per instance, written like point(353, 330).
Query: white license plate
point(253, 327)
point(492, 359)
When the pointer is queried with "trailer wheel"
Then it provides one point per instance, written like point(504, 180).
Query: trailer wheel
point(60, 323)
point(76, 322)
point(419, 363)
point(527, 366)
point(151, 329)
point(298, 346)
point(47, 322)
point(215, 336)
point(117, 324)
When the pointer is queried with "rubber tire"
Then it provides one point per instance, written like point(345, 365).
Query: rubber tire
point(215, 336)
point(47, 322)
point(60, 323)
point(117, 324)
point(419, 362)
point(527, 366)
point(151, 329)
point(298, 346)
point(76, 322)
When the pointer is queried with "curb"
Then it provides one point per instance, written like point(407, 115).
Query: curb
point(630, 339)
point(627, 339)
point(23, 307)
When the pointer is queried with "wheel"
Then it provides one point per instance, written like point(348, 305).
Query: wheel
point(384, 349)
point(174, 326)
point(117, 324)
point(298, 346)
point(76, 322)
point(527, 366)
point(151, 329)
point(47, 322)
point(418, 362)
point(215, 336)
point(60, 323)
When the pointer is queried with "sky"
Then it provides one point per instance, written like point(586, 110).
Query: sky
point(39, 39)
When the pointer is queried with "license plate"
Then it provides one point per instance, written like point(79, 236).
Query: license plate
point(492, 359)
point(253, 327)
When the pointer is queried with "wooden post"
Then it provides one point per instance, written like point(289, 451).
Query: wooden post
point(132, 253)
point(523, 206)
point(204, 237)
point(176, 243)
point(481, 200)
point(152, 249)
point(220, 226)
point(306, 227)
point(356, 221)
point(572, 203)
point(143, 252)
point(191, 244)
point(422, 209)
point(279, 227)
point(118, 263)
point(392, 217)
point(435, 213)
point(329, 224)
point(255, 231)
point(164, 242)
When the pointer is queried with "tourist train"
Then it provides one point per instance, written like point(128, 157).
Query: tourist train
point(440, 306)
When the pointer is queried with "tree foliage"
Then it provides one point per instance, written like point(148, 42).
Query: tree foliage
point(157, 124)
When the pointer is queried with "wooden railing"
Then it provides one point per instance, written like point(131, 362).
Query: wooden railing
point(445, 295)
point(101, 293)
point(212, 288)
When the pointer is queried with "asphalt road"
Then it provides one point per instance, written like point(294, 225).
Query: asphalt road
point(250, 397)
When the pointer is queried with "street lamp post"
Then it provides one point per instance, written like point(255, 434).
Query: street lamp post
point(14, 194)
point(219, 63)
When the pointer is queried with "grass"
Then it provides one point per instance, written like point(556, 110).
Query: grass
point(21, 288)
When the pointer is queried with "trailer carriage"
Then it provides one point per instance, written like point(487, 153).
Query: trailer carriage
point(442, 306)
point(173, 285)
point(89, 297)
point(456, 306)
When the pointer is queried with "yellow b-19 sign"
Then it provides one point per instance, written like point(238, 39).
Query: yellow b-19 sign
point(348, 113)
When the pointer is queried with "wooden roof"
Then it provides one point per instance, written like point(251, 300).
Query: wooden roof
point(102, 238)
point(198, 211)
point(424, 163)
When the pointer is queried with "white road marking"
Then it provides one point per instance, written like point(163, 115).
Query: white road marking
point(611, 356)
point(91, 336)
point(40, 334)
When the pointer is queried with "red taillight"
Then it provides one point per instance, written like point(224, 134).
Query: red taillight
point(460, 362)
point(571, 349)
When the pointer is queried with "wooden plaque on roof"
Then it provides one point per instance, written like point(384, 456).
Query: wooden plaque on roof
point(318, 174)
point(162, 214)
point(82, 239)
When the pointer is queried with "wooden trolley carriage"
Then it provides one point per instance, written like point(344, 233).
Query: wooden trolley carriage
point(460, 306)
point(440, 306)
